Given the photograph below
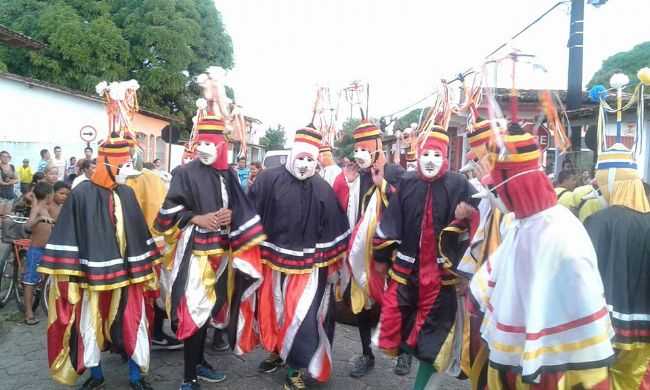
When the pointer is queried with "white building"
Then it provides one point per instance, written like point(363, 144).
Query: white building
point(36, 115)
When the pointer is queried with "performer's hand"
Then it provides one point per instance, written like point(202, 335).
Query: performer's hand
point(224, 217)
point(463, 211)
point(207, 221)
point(377, 174)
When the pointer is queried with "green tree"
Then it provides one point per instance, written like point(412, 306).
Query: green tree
point(161, 43)
point(628, 62)
point(345, 146)
point(405, 121)
point(274, 138)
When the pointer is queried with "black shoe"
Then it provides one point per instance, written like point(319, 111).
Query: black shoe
point(362, 365)
point(140, 385)
point(92, 384)
point(219, 344)
point(271, 364)
point(403, 364)
point(294, 382)
point(165, 343)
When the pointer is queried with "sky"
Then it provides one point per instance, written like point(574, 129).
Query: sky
point(285, 49)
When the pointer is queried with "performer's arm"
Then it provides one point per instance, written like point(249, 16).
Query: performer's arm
point(177, 210)
point(389, 231)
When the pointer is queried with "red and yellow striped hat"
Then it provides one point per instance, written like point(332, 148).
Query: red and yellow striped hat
point(522, 151)
point(115, 148)
point(366, 131)
point(480, 133)
point(307, 140)
point(436, 138)
point(324, 148)
point(211, 129)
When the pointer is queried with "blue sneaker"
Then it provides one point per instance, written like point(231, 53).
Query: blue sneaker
point(194, 385)
point(209, 374)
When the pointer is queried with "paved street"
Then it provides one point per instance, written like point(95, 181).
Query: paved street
point(23, 364)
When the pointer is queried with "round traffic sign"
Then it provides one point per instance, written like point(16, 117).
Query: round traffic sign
point(88, 133)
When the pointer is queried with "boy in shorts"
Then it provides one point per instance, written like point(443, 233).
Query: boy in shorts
point(40, 225)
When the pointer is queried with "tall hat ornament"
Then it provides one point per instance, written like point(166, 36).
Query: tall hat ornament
point(616, 168)
point(121, 106)
point(211, 114)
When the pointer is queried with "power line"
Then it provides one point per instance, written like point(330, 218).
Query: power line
point(469, 71)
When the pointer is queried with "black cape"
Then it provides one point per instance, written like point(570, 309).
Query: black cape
point(83, 243)
point(621, 237)
point(303, 221)
point(402, 220)
point(195, 189)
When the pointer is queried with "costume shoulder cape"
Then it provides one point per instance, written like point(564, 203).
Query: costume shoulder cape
point(303, 221)
point(85, 242)
point(621, 237)
point(197, 189)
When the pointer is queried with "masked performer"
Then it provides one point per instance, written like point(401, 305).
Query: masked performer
point(619, 233)
point(329, 169)
point(419, 307)
point(493, 220)
point(101, 258)
point(307, 236)
point(214, 269)
point(545, 318)
point(364, 199)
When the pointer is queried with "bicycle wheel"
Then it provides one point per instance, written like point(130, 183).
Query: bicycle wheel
point(19, 289)
point(6, 277)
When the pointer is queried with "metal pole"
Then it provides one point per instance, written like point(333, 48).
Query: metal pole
point(574, 88)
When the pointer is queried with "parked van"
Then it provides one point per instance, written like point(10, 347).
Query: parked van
point(275, 158)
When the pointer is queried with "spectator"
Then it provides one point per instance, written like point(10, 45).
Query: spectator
point(40, 224)
point(71, 169)
point(567, 164)
point(157, 164)
point(88, 153)
point(59, 162)
point(45, 161)
point(566, 183)
point(8, 180)
point(149, 166)
point(86, 170)
point(61, 192)
point(243, 172)
point(51, 175)
point(23, 205)
point(255, 169)
point(25, 175)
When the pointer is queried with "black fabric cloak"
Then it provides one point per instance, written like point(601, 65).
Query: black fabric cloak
point(303, 221)
point(621, 237)
point(83, 242)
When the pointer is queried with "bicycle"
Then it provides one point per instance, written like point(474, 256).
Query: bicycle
point(12, 267)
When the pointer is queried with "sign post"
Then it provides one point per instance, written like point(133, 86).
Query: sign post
point(88, 134)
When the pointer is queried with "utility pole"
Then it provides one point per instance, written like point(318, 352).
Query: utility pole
point(574, 87)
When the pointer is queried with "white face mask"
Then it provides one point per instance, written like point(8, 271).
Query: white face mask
point(187, 160)
point(207, 152)
point(363, 158)
point(430, 163)
point(411, 166)
point(126, 171)
point(304, 166)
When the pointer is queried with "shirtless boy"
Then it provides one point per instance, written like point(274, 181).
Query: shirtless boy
point(40, 224)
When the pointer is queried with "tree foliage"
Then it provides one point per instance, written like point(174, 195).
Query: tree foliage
point(628, 62)
point(345, 145)
point(274, 138)
point(160, 43)
point(405, 121)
